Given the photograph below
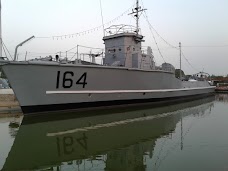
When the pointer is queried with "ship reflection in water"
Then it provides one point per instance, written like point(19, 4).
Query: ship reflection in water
point(143, 139)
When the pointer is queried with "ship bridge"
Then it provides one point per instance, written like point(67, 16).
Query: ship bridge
point(123, 48)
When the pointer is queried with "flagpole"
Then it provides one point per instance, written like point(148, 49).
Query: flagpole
point(0, 29)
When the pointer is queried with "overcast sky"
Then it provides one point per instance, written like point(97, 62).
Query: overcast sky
point(192, 22)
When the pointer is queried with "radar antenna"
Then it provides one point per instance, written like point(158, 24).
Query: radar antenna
point(136, 12)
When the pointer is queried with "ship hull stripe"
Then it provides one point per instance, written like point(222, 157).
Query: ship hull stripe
point(125, 91)
point(153, 102)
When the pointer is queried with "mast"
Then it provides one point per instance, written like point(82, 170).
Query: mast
point(180, 60)
point(102, 18)
point(136, 13)
point(137, 17)
point(0, 29)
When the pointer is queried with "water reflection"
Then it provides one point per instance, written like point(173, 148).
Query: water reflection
point(14, 128)
point(222, 97)
point(108, 140)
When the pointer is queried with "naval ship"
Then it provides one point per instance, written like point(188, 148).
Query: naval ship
point(127, 76)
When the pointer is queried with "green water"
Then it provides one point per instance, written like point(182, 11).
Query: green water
point(187, 136)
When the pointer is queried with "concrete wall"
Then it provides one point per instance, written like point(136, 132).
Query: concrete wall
point(8, 102)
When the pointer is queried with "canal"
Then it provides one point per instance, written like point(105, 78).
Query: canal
point(185, 136)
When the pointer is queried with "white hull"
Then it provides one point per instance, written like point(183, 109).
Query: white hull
point(41, 87)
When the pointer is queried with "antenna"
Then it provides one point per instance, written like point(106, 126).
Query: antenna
point(136, 12)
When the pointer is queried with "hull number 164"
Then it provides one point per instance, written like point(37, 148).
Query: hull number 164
point(67, 80)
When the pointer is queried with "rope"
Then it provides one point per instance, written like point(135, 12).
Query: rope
point(150, 25)
point(86, 31)
point(156, 42)
point(7, 50)
point(189, 62)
